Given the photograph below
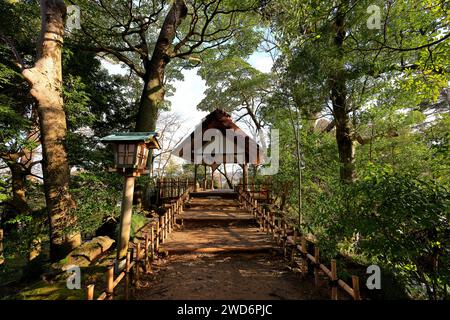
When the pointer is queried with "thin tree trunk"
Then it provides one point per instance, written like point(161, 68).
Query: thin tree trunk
point(339, 100)
point(45, 79)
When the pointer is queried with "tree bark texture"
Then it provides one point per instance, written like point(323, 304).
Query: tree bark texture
point(45, 79)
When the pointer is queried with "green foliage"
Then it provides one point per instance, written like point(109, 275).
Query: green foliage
point(98, 197)
point(402, 223)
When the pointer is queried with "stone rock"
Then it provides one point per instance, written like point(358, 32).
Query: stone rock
point(88, 251)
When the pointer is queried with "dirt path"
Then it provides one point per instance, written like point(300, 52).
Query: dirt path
point(220, 254)
point(226, 277)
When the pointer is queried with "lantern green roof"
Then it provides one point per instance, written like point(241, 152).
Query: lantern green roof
point(145, 137)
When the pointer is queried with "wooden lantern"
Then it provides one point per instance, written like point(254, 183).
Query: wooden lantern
point(131, 150)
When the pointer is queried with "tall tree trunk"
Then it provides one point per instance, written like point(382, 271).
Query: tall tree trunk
point(339, 100)
point(45, 79)
point(153, 92)
point(151, 99)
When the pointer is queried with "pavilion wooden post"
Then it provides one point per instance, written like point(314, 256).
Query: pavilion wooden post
point(125, 220)
point(212, 178)
point(245, 177)
point(205, 182)
point(195, 177)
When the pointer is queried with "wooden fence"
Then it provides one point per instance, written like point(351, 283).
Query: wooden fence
point(143, 252)
point(288, 237)
point(172, 188)
point(258, 191)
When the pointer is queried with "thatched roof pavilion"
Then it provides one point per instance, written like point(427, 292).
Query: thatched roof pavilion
point(235, 146)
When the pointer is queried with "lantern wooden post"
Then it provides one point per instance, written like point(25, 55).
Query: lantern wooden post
point(125, 219)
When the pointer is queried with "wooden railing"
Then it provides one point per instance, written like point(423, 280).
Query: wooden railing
point(260, 191)
point(280, 231)
point(172, 188)
point(143, 252)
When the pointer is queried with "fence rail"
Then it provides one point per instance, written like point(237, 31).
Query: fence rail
point(172, 188)
point(143, 251)
point(280, 230)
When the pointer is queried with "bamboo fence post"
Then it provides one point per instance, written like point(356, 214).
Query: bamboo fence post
point(334, 279)
point(273, 225)
point(355, 284)
point(152, 243)
point(284, 239)
point(157, 236)
point(304, 258)
point(316, 266)
point(2, 259)
point(174, 213)
point(131, 271)
point(263, 218)
point(146, 253)
point(161, 226)
point(127, 276)
point(279, 222)
point(138, 260)
point(110, 283)
point(90, 292)
point(171, 216)
point(169, 220)
point(167, 223)
point(260, 219)
point(293, 256)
